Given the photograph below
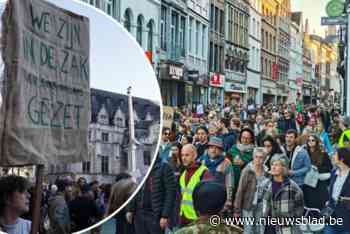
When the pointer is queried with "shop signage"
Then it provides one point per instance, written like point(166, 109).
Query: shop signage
point(217, 80)
point(175, 72)
point(193, 75)
point(233, 87)
point(274, 71)
point(338, 20)
point(335, 8)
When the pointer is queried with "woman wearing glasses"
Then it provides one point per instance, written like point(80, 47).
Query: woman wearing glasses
point(321, 162)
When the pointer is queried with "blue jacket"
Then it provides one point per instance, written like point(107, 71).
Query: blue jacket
point(342, 208)
point(300, 165)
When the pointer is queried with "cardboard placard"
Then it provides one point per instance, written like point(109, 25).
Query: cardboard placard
point(46, 90)
point(168, 116)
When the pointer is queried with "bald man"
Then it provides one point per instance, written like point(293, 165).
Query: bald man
point(194, 173)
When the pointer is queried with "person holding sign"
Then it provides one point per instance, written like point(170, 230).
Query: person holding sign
point(14, 202)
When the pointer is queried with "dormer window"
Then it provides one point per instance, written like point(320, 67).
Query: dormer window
point(149, 117)
point(103, 116)
point(119, 119)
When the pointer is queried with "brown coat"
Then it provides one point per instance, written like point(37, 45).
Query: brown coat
point(246, 190)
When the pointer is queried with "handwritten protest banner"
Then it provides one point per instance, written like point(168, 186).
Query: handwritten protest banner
point(168, 116)
point(46, 91)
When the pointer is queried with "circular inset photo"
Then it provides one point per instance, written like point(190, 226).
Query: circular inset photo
point(80, 116)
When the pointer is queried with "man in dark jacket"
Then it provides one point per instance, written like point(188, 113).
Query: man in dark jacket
point(287, 122)
point(83, 210)
point(152, 206)
point(228, 136)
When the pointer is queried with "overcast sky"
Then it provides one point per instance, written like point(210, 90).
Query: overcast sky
point(116, 60)
point(313, 10)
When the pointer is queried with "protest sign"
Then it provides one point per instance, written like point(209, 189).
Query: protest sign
point(46, 89)
point(168, 116)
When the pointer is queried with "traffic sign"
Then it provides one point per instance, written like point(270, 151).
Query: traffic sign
point(339, 20)
point(335, 8)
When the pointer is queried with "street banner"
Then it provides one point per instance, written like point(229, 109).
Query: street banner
point(168, 116)
point(45, 112)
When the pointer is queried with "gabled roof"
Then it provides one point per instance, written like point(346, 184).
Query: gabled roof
point(113, 101)
point(297, 17)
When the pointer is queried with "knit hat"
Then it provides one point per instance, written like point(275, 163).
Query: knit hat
point(216, 141)
point(282, 158)
point(209, 197)
point(346, 120)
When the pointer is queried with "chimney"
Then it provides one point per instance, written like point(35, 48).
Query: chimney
point(307, 26)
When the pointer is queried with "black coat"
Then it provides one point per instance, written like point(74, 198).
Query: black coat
point(342, 209)
point(321, 189)
point(162, 186)
point(284, 125)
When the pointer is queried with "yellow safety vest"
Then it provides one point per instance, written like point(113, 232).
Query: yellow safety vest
point(186, 208)
point(341, 142)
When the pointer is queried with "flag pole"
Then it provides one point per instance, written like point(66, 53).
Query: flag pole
point(37, 199)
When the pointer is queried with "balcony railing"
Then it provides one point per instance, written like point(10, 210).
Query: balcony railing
point(174, 51)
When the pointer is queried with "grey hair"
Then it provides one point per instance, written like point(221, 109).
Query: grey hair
point(194, 149)
point(283, 159)
point(259, 150)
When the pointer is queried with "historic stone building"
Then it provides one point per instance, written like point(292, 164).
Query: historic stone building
point(254, 68)
point(216, 51)
point(109, 138)
point(283, 46)
point(269, 68)
point(172, 54)
point(236, 50)
point(299, 57)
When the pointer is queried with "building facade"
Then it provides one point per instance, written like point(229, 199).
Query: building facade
point(110, 7)
point(236, 50)
point(298, 58)
point(253, 72)
point(141, 18)
point(109, 138)
point(269, 68)
point(283, 49)
point(198, 44)
point(171, 69)
point(216, 52)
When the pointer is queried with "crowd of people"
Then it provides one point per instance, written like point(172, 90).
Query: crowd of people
point(67, 206)
point(271, 161)
point(254, 162)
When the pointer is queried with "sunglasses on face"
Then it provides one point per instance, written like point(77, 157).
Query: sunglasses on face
point(167, 134)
